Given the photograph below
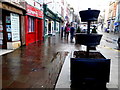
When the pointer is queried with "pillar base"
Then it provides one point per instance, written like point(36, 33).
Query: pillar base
point(13, 45)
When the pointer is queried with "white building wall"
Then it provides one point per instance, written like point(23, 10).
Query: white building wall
point(119, 10)
point(106, 17)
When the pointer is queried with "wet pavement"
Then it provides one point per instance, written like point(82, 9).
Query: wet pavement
point(106, 49)
point(4, 51)
point(37, 65)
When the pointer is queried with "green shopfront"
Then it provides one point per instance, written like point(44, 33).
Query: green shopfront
point(52, 22)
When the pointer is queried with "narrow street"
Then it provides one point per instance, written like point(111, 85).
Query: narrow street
point(38, 65)
point(52, 44)
point(109, 49)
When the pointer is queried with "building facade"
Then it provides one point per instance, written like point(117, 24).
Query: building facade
point(34, 22)
point(112, 15)
point(52, 17)
point(117, 20)
point(11, 24)
point(21, 23)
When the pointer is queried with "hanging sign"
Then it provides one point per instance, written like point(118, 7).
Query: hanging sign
point(34, 12)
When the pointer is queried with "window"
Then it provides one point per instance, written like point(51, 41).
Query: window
point(31, 24)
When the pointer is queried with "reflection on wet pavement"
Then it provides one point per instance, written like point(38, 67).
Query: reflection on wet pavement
point(36, 65)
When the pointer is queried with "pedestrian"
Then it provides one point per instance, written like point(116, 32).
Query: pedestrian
point(72, 31)
point(94, 30)
point(101, 27)
point(67, 31)
point(62, 30)
point(116, 29)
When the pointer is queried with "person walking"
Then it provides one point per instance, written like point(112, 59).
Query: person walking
point(72, 31)
point(62, 30)
point(67, 31)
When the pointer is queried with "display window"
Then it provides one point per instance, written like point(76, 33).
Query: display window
point(31, 24)
point(1, 33)
point(46, 26)
point(57, 26)
point(8, 28)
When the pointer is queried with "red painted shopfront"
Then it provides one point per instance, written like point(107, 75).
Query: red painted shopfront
point(34, 25)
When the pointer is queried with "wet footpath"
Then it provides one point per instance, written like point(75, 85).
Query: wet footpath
point(37, 65)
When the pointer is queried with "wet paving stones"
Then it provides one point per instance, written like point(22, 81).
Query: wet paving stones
point(35, 66)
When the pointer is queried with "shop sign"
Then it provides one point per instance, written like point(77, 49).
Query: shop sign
point(34, 12)
point(50, 14)
point(15, 28)
point(117, 23)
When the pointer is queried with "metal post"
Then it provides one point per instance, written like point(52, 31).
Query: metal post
point(88, 28)
point(88, 32)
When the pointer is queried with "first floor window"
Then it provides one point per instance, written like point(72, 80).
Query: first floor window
point(31, 24)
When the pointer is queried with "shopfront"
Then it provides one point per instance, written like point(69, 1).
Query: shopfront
point(10, 26)
point(57, 26)
point(51, 22)
point(34, 25)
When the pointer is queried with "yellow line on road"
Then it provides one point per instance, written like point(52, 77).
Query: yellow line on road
point(111, 48)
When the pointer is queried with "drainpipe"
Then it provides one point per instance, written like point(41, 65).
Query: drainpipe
point(45, 10)
point(55, 22)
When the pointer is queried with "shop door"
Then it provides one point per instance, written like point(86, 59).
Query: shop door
point(49, 28)
point(6, 28)
point(46, 27)
point(40, 28)
point(52, 27)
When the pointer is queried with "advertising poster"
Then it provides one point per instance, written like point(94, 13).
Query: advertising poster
point(0, 21)
point(8, 19)
point(9, 36)
point(8, 28)
point(1, 27)
point(1, 42)
point(1, 35)
point(15, 27)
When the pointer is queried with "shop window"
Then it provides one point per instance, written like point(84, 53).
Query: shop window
point(57, 26)
point(31, 24)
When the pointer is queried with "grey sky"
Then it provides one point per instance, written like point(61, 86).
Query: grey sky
point(85, 4)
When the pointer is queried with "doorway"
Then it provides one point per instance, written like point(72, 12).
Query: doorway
point(49, 27)
point(6, 28)
point(40, 30)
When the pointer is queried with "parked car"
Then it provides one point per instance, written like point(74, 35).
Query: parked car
point(118, 42)
point(84, 29)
